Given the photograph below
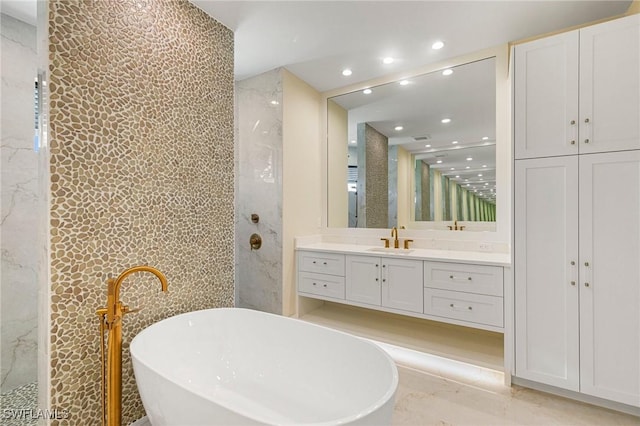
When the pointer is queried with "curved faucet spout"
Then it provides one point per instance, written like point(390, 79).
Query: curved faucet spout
point(113, 291)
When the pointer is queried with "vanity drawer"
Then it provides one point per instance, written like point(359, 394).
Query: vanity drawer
point(321, 284)
point(478, 279)
point(323, 263)
point(475, 308)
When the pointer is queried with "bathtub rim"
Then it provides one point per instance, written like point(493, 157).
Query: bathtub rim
point(376, 405)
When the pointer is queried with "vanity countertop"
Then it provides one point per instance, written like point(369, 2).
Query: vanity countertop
point(483, 258)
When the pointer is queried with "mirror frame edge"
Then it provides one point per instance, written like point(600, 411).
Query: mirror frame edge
point(503, 146)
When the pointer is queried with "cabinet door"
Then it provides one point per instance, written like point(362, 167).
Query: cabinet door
point(362, 279)
point(402, 284)
point(610, 276)
point(546, 97)
point(610, 86)
point(546, 253)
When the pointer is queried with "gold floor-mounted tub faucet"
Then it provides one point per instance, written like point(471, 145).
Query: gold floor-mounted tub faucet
point(111, 320)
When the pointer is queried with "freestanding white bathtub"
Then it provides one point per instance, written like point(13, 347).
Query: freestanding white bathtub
point(235, 366)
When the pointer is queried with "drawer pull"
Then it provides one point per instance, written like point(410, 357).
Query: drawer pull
point(453, 306)
point(453, 277)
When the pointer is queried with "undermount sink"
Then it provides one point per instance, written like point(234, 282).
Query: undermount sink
point(390, 250)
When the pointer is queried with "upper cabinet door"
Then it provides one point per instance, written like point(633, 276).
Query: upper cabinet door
point(610, 86)
point(546, 97)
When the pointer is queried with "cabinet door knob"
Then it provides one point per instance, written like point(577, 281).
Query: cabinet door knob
point(586, 141)
point(586, 263)
point(377, 280)
point(586, 284)
point(470, 308)
point(324, 285)
point(573, 283)
point(324, 263)
point(573, 142)
point(573, 122)
point(573, 262)
point(384, 280)
point(586, 120)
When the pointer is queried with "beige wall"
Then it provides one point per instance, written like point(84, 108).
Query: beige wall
point(634, 7)
point(301, 192)
point(141, 155)
point(337, 159)
point(405, 198)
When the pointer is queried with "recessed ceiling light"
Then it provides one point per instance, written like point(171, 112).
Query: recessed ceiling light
point(453, 168)
point(398, 128)
point(479, 174)
point(347, 72)
point(353, 141)
point(485, 138)
point(404, 82)
point(437, 45)
point(275, 102)
point(466, 180)
point(468, 184)
point(486, 183)
point(439, 161)
point(388, 60)
point(446, 120)
point(458, 176)
point(484, 165)
point(366, 91)
point(427, 146)
point(469, 158)
point(448, 71)
point(454, 142)
point(467, 167)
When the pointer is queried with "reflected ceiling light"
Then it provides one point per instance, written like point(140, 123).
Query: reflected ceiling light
point(388, 60)
point(486, 183)
point(469, 158)
point(437, 45)
point(404, 82)
point(366, 91)
point(439, 161)
point(353, 141)
point(446, 120)
point(448, 71)
point(427, 146)
point(467, 167)
point(398, 128)
point(347, 72)
point(484, 165)
point(485, 138)
point(453, 168)
point(454, 142)
point(479, 174)
point(457, 176)
point(275, 102)
point(468, 184)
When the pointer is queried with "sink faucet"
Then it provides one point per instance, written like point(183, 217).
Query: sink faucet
point(455, 227)
point(394, 234)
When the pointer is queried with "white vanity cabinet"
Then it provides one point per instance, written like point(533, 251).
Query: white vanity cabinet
point(321, 275)
point(579, 92)
point(471, 293)
point(576, 226)
point(387, 282)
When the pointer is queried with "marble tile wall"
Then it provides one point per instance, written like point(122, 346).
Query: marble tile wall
point(19, 220)
point(141, 160)
point(259, 169)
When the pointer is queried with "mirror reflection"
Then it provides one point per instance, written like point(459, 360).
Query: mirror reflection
point(420, 149)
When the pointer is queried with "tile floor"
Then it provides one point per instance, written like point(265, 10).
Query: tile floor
point(427, 399)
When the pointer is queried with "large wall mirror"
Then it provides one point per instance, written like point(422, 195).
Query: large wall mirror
point(419, 152)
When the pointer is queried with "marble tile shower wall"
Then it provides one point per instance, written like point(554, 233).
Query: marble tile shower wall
point(19, 221)
point(141, 159)
point(259, 165)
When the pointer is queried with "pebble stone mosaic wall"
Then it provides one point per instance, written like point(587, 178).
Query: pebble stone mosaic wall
point(141, 163)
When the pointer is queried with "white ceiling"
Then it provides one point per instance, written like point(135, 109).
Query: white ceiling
point(315, 40)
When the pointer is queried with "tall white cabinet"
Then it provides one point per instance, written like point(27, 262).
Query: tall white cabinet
point(577, 210)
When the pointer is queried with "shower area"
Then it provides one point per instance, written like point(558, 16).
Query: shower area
point(20, 221)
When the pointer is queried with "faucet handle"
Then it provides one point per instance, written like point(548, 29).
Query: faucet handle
point(406, 243)
point(127, 310)
point(386, 242)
